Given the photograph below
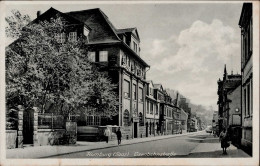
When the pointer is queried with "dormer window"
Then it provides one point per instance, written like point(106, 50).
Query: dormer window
point(60, 37)
point(73, 36)
point(103, 56)
point(86, 31)
point(135, 46)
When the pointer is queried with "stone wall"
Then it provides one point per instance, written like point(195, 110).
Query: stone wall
point(11, 139)
point(126, 132)
point(49, 136)
point(142, 131)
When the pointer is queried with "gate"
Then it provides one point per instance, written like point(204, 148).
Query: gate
point(28, 127)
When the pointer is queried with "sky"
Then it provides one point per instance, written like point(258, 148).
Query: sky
point(186, 44)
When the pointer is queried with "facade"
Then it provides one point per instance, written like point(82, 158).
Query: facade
point(215, 125)
point(185, 106)
point(160, 97)
point(117, 52)
point(225, 89)
point(152, 111)
point(246, 25)
point(229, 102)
point(184, 120)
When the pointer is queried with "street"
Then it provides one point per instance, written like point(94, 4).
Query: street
point(200, 144)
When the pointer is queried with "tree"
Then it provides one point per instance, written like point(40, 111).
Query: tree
point(41, 70)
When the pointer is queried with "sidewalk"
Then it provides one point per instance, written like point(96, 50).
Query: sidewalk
point(211, 147)
point(80, 146)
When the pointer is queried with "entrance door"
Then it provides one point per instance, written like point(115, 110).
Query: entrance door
point(146, 129)
point(28, 127)
point(135, 129)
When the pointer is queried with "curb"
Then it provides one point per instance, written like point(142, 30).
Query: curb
point(142, 141)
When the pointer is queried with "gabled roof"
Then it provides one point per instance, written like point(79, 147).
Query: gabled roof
point(129, 30)
point(158, 86)
point(245, 14)
point(50, 13)
point(150, 82)
point(99, 22)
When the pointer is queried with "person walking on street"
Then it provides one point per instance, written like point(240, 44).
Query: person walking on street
point(223, 137)
point(107, 134)
point(119, 135)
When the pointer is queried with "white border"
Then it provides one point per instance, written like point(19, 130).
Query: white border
point(156, 161)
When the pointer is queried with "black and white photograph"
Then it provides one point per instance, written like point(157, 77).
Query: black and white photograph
point(129, 82)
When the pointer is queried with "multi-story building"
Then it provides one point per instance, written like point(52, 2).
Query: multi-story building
point(152, 111)
point(184, 119)
point(160, 97)
point(169, 110)
point(215, 123)
point(117, 51)
point(227, 106)
point(185, 106)
point(246, 25)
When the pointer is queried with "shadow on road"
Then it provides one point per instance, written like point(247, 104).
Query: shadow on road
point(215, 154)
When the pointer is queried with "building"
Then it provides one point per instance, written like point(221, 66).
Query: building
point(215, 126)
point(246, 25)
point(160, 97)
point(185, 106)
point(152, 110)
point(184, 119)
point(225, 88)
point(117, 51)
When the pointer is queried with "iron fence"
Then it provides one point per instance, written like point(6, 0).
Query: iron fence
point(50, 121)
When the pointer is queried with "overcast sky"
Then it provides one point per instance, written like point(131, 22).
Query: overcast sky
point(185, 44)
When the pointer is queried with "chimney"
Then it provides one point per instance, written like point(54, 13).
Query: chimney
point(38, 13)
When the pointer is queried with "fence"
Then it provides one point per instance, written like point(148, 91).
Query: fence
point(50, 121)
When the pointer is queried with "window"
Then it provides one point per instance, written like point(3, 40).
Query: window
point(103, 56)
point(126, 88)
point(123, 57)
point(245, 101)
point(156, 108)
point(251, 34)
point(147, 107)
point(93, 120)
point(92, 56)
point(73, 36)
point(126, 118)
point(140, 118)
point(60, 37)
point(135, 46)
point(248, 99)
point(151, 108)
point(134, 91)
point(140, 94)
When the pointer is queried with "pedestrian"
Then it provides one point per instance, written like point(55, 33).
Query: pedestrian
point(119, 135)
point(107, 134)
point(223, 137)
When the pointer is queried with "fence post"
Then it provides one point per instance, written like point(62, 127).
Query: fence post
point(20, 126)
point(35, 126)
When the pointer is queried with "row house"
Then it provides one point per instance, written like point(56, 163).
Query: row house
point(152, 111)
point(246, 25)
